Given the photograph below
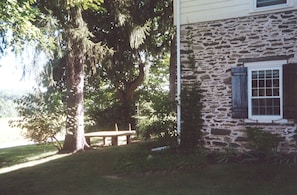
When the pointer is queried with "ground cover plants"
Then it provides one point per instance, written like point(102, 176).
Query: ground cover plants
point(135, 169)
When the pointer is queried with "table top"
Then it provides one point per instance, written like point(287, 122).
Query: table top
point(109, 133)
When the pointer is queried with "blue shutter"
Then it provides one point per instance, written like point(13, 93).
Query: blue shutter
point(239, 92)
point(290, 91)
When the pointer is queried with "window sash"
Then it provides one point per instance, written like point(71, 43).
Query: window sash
point(265, 104)
point(266, 3)
point(265, 95)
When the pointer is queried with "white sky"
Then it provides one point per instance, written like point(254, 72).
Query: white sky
point(11, 70)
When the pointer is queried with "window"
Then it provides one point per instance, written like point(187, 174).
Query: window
point(265, 91)
point(270, 5)
point(265, 3)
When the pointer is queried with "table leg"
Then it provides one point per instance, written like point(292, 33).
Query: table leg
point(128, 139)
point(104, 142)
point(114, 140)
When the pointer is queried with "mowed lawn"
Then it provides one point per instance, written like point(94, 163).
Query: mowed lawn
point(135, 169)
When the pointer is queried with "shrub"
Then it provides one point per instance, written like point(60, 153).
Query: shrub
point(42, 116)
point(191, 106)
point(262, 141)
point(158, 120)
point(163, 130)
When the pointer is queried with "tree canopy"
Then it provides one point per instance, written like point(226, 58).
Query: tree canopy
point(110, 46)
point(140, 32)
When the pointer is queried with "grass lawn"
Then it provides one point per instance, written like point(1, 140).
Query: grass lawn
point(15, 155)
point(134, 169)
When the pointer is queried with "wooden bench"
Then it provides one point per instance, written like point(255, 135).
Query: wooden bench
point(113, 134)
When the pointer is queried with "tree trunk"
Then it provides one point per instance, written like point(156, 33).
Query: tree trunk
point(75, 60)
point(126, 94)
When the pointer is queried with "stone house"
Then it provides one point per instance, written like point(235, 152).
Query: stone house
point(246, 61)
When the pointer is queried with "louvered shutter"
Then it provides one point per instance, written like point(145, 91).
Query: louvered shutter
point(239, 92)
point(290, 91)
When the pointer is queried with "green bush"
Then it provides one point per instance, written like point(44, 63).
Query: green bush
point(158, 120)
point(262, 141)
point(42, 116)
point(163, 130)
point(191, 106)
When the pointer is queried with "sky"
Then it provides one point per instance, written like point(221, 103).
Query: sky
point(11, 71)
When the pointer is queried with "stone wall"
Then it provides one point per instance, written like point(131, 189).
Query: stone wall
point(220, 45)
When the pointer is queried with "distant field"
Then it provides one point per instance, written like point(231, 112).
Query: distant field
point(10, 136)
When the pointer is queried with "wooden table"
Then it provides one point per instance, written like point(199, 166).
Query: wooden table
point(113, 134)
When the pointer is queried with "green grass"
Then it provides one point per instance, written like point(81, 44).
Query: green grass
point(15, 155)
point(134, 169)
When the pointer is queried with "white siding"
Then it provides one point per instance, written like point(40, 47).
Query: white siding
point(193, 11)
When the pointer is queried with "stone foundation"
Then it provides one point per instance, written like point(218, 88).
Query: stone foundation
point(220, 45)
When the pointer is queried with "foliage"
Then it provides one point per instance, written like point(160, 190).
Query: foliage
point(17, 18)
point(78, 51)
point(7, 105)
point(251, 157)
point(163, 130)
point(7, 108)
point(43, 115)
point(103, 106)
point(191, 105)
point(157, 120)
point(262, 141)
point(156, 110)
point(137, 30)
point(139, 33)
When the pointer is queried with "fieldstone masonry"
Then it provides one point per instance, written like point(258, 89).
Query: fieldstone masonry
point(220, 45)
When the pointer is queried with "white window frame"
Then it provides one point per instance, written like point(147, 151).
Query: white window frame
point(256, 9)
point(264, 65)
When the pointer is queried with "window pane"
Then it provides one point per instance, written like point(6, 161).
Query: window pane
point(269, 101)
point(261, 74)
point(256, 102)
point(264, 3)
point(276, 102)
point(276, 106)
point(254, 75)
point(269, 83)
point(261, 92)
point(268, 74)
point(276, 92)
point(275, 74)
point(261, 83)
point(276, 111)
point(269, 110)
point(266, 106)
point(262, 110)
point(275, 83)
point(268, 92)
point(255, 106)
point(255, 92)
point(254, 83)
point(265, 92)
